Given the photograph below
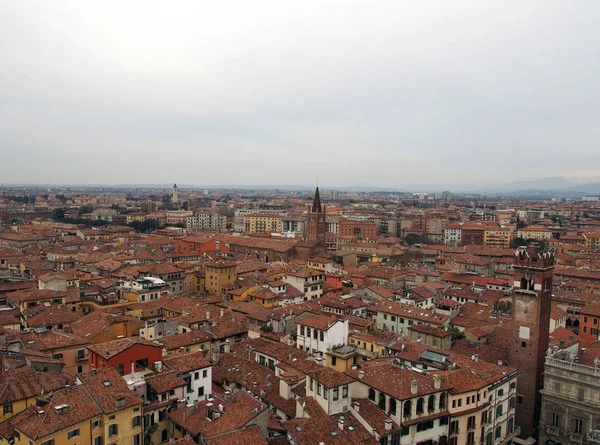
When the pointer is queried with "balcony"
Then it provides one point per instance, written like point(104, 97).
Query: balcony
point(575, 438)
point(553, 431)
point(510, 436)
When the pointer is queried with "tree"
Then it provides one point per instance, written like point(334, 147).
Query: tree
point(503, 307)
point(413, 238)
point(61, 198)
point(59, 214)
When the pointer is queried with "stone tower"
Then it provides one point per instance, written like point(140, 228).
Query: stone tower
point(531, 307)
point(175, 198)
point(315, 230)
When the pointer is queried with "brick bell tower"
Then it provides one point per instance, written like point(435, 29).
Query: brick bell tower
point(531, 307)
point(315, 230)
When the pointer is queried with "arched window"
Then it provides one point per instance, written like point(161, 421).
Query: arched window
point(407, 408)
point(371, 394)
point(392, 406)
point(531, 284)
point(431, 404)
point(382, 401)
point(443, 400)
point(420, 404)
point(164, 436)
point(524, 283)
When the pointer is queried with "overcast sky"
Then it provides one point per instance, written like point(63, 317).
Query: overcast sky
point(397, 94)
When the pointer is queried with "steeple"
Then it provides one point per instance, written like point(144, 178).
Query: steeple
point(316, 206)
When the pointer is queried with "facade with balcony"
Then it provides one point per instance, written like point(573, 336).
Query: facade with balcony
point(570, 413)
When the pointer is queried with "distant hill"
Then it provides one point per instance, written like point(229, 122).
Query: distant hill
point(552, 183)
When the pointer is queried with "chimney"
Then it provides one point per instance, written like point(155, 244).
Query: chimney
point(437, 381)
point(388, 424)
point(475, 357)
point(356, 406)
point(208, 315)
point(222, 312)
point(361, 374)
point(341, 424)
point(227, 347)
point(414, 386)
point(189, 409)
point(221, 408)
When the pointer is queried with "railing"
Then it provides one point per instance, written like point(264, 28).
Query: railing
point(576, 438)
point(512, 435)
point(553, 431)
point(573, 367)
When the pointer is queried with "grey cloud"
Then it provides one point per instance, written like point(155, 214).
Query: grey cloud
point(380, 93)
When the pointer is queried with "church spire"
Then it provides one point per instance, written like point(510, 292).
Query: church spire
point(316, 206)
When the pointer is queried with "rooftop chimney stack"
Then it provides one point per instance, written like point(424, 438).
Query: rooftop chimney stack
point(414, 387)
point(437, 381)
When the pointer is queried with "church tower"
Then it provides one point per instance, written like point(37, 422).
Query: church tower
point(315, 230)
point(531, 307)
point(175, 198)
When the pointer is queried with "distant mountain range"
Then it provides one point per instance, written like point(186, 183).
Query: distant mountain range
point(556, 186)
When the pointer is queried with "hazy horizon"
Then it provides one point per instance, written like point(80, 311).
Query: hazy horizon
point(388, 94)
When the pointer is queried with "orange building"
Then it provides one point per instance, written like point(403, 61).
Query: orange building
point(589, 322)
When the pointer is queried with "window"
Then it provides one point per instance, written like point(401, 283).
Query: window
point(315, 334)
point(301, 330)
point(498, 432)
point(196, 375)
point(372, 395)
point(333, 360)
point(454, 427)
point(336, 394)
point(471, 423)
point(80, 354)
point(137, 421)
point(557, 386)
point(407, 408)
point(580, 394)
point(519, 399)
point(585, 319)
point(8, 408)
point(511, 403)
point(73, 433)
point(500, 392)
point(48, 442)
point(345, 392)
point(201, 391)
point(136, 440)
point(204, 373)
point(499, 410)
point(113, 430)
point(319, 388)
point(96, 424)
point(322, 336)
point(312, 384)
point(420, 404)
point(393, 406)
point(554, 419)
point(577, 426)
point(58, 356)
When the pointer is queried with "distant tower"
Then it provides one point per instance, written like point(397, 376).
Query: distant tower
point(175, 198)
point(315, 231)
point(149, 206)
point(531, 307)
